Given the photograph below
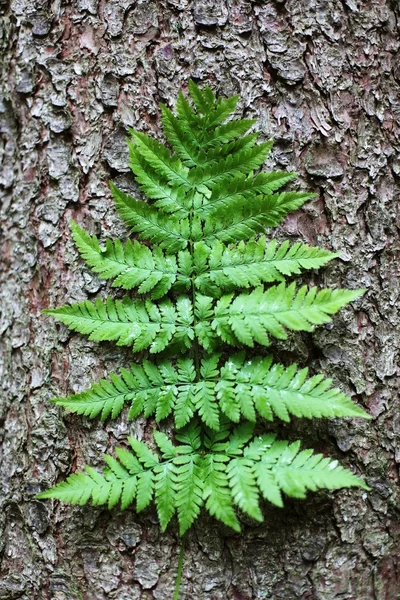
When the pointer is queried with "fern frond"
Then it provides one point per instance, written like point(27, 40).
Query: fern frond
point(284, 468)
point(208, 206)
point(80, 488)
point(228, 133)
point(214, 155)
point(221, 110)
point(169, 233)
point(185, 148)
point(216, 490)
point(243, 485)
point(189, 119)
point(103, 398)
point(189, 486)
point(132, 265)
point(131, 322)
point(213, 111)
point(202, 99)
point(254, 263)
point(165, 492)
point(238, 388)
point(253, 317)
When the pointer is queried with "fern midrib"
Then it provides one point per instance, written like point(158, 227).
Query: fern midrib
point(120, 321)
point(273, 311)
point(196, 346)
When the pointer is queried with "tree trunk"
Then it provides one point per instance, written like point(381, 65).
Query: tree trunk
point(322, 77)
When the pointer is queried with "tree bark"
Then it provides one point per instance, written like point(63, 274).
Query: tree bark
point(322, 77)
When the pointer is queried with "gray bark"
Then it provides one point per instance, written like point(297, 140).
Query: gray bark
point(322, 77)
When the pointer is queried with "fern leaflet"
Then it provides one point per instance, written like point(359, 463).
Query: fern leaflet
point(256, 262)
point(132, 265)
point(255, 316)
point(131, 322)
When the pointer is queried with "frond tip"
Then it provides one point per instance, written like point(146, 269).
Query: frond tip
point(210, 473)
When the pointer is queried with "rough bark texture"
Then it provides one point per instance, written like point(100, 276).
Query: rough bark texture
point(322, 77)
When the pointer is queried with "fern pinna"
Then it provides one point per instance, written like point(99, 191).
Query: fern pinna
point(208, 278)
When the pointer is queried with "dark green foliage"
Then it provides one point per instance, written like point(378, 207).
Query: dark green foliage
point(204, 283)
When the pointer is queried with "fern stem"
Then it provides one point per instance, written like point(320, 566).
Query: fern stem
point(180, 569)
point(196, 350)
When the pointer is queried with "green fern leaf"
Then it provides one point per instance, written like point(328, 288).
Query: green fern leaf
point(189, 494)
point(295, 472)
point(228, 133)
point(77, 489)
point(144, 490)
point(165, 445)
point(189, 119)
point(168, 232)
point(148, 458)
point(176, 135)
point(215, 154)
point(205, 469)
point(256, 262)
point(239, 388)
point(129, 461)
point(171, 199)
point(255, 316)
point(165, 493)
point(129, 491)
point(243, 485)
point(216, 490)
point(221, 111)
point(158, 156)
point(243, 161)
point(130, 322)
point(239, 438)
point(214, 111)
point(132, 265)
point(246, 218)
point(104, 398)
point(229, 191)
point(202, 99)
point(274, 390)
